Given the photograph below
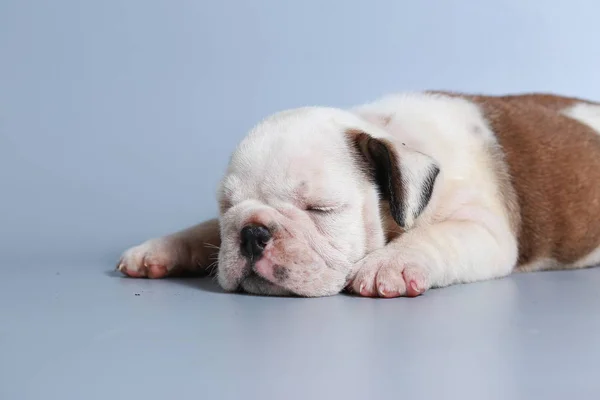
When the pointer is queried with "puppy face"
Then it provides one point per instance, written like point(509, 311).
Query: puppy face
point(300, 204)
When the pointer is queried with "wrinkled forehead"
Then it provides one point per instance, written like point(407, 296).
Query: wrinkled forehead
point(301, 153)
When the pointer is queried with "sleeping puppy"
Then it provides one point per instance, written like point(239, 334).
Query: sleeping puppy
point(391, 198)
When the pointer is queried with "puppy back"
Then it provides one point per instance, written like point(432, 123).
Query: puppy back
point(551, 147)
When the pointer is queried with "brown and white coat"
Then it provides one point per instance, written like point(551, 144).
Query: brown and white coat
point(393, 197)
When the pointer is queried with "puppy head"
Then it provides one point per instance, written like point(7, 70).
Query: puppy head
point(300, 201)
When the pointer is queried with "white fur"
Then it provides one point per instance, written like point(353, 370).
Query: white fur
point(590, 260)
point(539, 264)
point(588, 114)
point(464, 234)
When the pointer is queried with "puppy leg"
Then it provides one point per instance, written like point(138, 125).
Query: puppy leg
point(436, 255)
point(192, 250)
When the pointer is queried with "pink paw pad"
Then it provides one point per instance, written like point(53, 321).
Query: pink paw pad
point(156, 271)
point(389, 281)
point(152, 271)
point(363, 285)
point(414, 281)
point(387, 292)
point(132, 273)
point(366, 290)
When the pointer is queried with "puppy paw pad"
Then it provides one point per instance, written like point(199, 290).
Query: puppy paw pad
point(152, 259)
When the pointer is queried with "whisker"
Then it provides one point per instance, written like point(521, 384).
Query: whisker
point(211, 268)
point(212, 246)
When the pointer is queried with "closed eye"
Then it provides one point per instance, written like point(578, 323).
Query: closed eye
point(322, 209)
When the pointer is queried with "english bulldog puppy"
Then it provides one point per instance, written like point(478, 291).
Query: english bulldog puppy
point(391, 198)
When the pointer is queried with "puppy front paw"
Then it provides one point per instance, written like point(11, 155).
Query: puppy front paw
point(155, 258)
point(385, 273)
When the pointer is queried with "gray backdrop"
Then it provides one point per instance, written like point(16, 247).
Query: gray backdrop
point(117, 117)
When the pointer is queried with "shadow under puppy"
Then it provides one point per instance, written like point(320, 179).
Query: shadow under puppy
point(394, 197)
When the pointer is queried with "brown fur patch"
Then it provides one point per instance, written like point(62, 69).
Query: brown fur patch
point(197, 247)
point(390, 227)
point(554, 167)
point(505, 187)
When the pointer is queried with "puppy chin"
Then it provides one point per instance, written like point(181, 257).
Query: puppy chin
point(256, 284)
point(236, 274)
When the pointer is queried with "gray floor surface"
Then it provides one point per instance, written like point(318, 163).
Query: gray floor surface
point(84, 332)
point(117, 119)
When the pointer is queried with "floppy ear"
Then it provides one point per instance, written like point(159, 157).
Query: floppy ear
point(405, 178)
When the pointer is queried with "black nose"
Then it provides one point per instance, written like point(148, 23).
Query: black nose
point(254, 239)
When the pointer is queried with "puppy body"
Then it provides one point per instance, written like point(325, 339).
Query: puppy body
point(552, 149)
point(409, 192)
point(472, 202)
